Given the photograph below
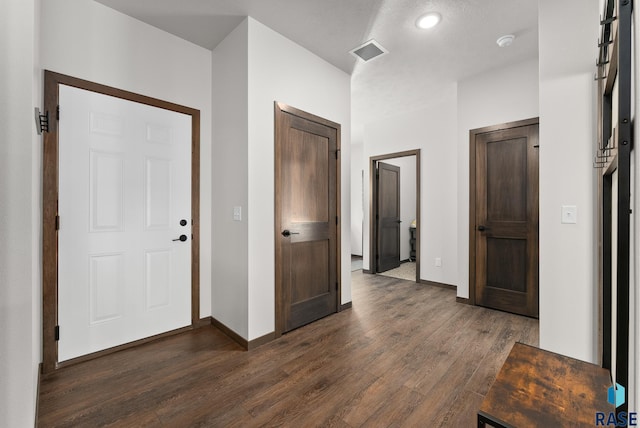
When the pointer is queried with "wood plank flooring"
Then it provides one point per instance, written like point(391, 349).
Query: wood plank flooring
point(404, 355)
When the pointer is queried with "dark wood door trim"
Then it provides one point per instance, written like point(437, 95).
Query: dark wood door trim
point(472, 195)
point(373, 208)
point(280, 109)
point(52, 81)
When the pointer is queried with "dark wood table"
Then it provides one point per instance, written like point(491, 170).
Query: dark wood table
point(537, 388)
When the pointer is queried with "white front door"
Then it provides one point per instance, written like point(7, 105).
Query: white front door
point(124, 200)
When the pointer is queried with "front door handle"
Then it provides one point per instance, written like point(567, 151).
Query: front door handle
point(287, 233)
point(482, 228)
point(182, 238)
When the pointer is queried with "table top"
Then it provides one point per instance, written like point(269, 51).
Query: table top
point(537, 388)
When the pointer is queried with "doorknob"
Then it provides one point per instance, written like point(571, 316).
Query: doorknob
point(182, 238)
point(287, 233)
point(482, 228)
point(183, 222)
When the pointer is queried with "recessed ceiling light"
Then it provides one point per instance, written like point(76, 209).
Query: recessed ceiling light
point(428, 20)
point(505, 41)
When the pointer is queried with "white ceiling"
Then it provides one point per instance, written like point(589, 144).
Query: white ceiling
point(419, 61)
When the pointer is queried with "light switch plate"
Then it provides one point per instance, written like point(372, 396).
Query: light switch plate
point(237, 213)
point(569, 214)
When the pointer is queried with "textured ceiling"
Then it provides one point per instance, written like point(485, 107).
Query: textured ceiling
point(328, 28)
point(419, 62)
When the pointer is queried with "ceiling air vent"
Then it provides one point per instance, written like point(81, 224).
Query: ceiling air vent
point(369, 50)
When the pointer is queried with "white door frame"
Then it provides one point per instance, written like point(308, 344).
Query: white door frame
point(50, 167)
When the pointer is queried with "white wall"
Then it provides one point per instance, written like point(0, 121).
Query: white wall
point(87, 40)
point(230, 254)
point(280, 70)
point(36, 216)
point(433, 130)
point(19, 315)
point(408, 201)
point(253, 67)
point(498, 96)
point(568, 321)
point(357, 210)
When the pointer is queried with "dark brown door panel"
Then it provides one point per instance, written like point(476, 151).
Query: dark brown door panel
point(505, 224)
point(388, 217)
point(306, 219)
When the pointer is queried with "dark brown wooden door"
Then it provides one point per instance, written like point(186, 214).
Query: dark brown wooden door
point(388, 216)
point(306, 218)
point(506, 222)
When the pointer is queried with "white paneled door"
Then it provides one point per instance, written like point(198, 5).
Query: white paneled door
point(124, 243)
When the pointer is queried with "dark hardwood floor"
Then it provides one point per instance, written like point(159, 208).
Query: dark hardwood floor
point(404, 355)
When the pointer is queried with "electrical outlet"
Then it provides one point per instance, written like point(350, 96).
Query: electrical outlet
point(237, 213)
point(438, 262)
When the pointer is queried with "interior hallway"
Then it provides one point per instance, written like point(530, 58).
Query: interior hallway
point(405, 353)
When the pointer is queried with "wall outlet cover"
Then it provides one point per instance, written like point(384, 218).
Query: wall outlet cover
point(237, 213)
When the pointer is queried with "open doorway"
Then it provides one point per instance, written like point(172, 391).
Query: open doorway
point(394, 208)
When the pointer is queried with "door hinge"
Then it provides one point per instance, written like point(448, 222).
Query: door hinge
point(336, 286)
point(57, 222)
point(57, 332)
point(337, 152)
point(336, 220)
point(58, 112)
